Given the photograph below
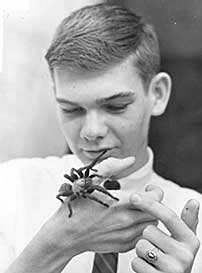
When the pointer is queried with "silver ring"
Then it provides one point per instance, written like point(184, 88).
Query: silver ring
point(152, 255)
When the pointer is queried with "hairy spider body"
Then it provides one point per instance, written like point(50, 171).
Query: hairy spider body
point(82, 185)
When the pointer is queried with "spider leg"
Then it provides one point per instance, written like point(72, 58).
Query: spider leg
point(90, 166)
point(58, 197)
point(85, 195)
point(70, 209)
point(69, 178)
point(78, 172)
point(63, 193)
point(97, 159)
point(103, 190)
point(69, 204)
point(96, 175)
point(90, 190)
point(87, 172)
point(73, 174)
point(94, 170)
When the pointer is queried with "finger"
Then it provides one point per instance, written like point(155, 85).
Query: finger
point(162, 261)
point(154, 192)
point(139, 265)
point(190, 214)
point(114, 166)
point(175, 250)
point(173, 223)
point(132, 235)
point(160, 239)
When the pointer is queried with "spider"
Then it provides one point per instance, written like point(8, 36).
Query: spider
point(82, 185)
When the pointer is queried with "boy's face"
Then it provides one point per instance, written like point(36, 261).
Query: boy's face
point(109, 110)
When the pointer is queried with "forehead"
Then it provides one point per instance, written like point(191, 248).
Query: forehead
point(120, 78)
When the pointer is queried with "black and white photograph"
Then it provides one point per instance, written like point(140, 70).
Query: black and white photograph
point(100, 136)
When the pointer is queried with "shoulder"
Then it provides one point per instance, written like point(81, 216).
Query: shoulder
point(22, 173)
point(25, 180)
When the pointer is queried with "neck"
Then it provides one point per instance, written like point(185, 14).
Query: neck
point(142, 158)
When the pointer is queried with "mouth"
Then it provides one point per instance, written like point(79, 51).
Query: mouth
point(92, 154)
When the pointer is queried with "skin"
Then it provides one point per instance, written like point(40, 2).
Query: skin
point(113, 110)
point(109, 110)
point(176, 252)
point(90, 122)
point(116, 228)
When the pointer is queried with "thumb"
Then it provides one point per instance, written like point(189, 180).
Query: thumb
point(114, 166)
point(190, 214)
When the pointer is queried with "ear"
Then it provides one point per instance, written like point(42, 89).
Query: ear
point(159, 92)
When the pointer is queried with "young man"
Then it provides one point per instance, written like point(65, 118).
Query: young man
point(104, 62)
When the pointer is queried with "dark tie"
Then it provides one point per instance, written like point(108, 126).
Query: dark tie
point(105, 263)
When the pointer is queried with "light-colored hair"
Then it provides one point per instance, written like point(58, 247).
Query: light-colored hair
point(97, 37)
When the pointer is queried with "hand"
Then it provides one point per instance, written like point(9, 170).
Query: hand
point(175, 252)
point(91, 228)
point(94, 227)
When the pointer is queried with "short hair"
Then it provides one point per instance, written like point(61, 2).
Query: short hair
point(97, 37)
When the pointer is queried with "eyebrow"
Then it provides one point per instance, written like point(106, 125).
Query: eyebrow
point(122, 95)
point(61, 100)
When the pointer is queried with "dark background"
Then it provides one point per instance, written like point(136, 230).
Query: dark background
point(176, 136)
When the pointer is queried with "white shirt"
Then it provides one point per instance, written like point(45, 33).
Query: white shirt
point(27, 199)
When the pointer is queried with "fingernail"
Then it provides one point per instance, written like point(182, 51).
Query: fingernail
point(149, 187)
point(135, 198)
point(194, 204)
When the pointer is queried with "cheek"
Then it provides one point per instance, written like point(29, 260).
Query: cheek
point(124, 129)
point(133, 127)
point(69, 128)
point(130, 124)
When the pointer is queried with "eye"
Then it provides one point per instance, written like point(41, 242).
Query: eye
point(120, 108)
point(73, 111)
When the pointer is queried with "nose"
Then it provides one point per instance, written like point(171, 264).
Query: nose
point(94, 126)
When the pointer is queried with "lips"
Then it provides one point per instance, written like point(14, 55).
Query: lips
point(92, 154)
